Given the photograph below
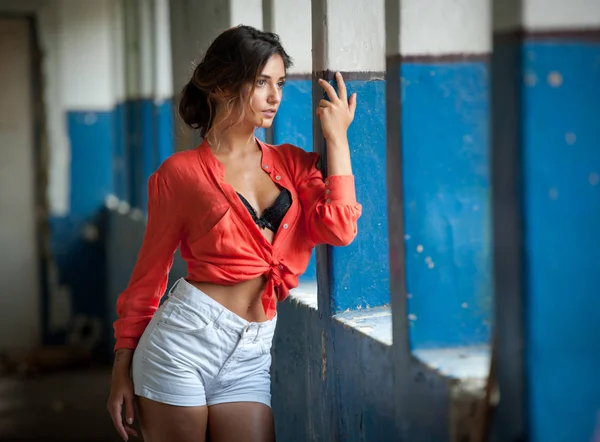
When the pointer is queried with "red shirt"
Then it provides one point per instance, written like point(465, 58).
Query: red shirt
point(190, 206)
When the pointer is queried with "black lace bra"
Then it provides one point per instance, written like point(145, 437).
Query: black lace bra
point(272, 216)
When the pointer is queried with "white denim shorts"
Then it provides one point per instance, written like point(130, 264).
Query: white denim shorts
point(195, 352)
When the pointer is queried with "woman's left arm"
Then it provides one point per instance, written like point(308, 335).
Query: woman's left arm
point(330, 205)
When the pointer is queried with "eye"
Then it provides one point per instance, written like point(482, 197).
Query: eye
point(261, 82)
point(281, 84)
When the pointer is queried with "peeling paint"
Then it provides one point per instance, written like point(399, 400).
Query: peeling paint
point(555, 79)
point(531, 79)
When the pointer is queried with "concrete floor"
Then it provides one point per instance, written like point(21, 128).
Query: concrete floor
point(68, 406)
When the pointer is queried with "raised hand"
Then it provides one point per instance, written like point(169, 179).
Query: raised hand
point(337, 113)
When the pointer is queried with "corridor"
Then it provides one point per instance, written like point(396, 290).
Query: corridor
point(466, 310)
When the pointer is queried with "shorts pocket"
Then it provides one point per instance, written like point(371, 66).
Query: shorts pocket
point(183, 319)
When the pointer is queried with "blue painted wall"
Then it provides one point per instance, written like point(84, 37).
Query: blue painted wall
point(120, 163)
point(165, 115)
point(92, 141)
point(149, 141)
point(80, 259)
point(360, 272)
point(106, 158)
point(445, 137)
point(133, 136)
point(149, 145)
point(293, 124)
point(561, 166)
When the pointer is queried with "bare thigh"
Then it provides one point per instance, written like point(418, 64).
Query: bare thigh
point(240, 421)
point(169, 423)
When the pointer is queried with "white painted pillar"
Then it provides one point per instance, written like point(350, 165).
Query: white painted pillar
point(163, 85)
point(146, 40)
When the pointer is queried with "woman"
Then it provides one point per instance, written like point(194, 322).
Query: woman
point(246, 217)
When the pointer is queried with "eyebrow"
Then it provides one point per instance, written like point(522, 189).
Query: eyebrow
point(269, 77)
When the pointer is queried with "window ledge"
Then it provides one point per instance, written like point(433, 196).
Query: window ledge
point(460, 363)
point(306, 294)
point(374, 322)
point(457, 362)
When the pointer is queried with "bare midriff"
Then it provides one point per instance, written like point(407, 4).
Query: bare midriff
point(244, 299)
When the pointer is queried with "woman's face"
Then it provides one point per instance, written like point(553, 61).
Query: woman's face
point(264, 102)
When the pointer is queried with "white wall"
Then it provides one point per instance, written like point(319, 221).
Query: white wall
point(86, 59)
point(440, 27)
point(245, 12)
point(163, 60)
point(77, 40)
point(544, 15)
point(291, 20)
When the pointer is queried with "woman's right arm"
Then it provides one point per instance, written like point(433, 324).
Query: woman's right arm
point(139, 301)
point(148, 282)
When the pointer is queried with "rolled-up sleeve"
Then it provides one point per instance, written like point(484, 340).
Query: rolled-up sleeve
point(138, 302)
point(330, 207)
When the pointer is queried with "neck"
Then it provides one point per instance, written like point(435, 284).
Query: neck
point(238, 139)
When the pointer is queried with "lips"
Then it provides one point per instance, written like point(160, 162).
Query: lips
point(269, 113)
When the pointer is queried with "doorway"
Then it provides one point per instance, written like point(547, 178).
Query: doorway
point(20, 295)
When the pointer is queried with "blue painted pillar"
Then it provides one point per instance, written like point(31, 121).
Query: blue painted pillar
point(293, 123)
point(445, 166)
point(355, 276)
point(547, 209)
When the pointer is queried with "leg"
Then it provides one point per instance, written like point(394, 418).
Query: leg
point(170, 423)
point(240, 421)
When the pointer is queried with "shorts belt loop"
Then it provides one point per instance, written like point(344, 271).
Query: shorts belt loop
point(174, 286)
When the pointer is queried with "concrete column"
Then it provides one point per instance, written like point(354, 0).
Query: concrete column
point(132, 107)
point(438, 203)
point(348, 36)
point(145, 101)
point(148, 108)
point(444, 55)
point(546, 102)
point(194, 25)
point(291, 20)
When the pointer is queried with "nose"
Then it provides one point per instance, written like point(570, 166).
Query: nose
point(274, 95)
